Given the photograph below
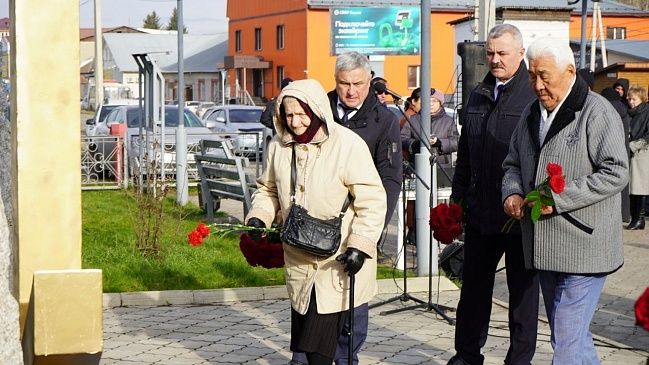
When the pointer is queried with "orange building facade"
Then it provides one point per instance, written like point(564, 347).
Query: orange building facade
point(272, 39)
point(629, 26)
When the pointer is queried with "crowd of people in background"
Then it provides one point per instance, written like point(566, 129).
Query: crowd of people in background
point(520, 117)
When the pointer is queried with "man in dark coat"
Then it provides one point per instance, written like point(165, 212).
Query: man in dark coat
point(355, 106)
point(622, 109)
point(489, 118)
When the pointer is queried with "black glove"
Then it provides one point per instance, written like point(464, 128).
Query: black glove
point(352, 259)
point(274, 237)
point(255, 234)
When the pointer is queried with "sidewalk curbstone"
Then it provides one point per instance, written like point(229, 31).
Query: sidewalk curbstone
point(278, 292)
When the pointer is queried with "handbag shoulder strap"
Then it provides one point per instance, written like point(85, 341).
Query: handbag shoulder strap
point(293, 175)
point(348, 199)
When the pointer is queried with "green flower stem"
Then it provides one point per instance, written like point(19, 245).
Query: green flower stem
point(223, 229)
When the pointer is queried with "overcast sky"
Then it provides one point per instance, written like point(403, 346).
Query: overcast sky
point(200, 16)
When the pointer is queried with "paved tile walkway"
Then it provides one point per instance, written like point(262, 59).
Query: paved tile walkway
point(257, 332)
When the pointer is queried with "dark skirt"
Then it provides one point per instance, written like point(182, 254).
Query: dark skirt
point(313, 332)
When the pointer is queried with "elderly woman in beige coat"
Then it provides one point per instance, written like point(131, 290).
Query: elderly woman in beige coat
point(332, 162)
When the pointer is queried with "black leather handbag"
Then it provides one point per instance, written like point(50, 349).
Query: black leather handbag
point(319, 237)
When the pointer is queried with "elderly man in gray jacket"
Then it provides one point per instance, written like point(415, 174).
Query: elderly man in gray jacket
point(577, 242)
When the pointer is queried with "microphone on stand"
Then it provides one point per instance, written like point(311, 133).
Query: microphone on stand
point(380, 88)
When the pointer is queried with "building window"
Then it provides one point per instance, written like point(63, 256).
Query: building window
point(237, 41)
point(201, 89)
point(214, 93)
point(257, 39)
point(280, 75)
point(616, 32)
point(280, 37)
point(413, 77)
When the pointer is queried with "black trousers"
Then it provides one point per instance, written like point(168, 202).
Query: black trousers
point(481, 256)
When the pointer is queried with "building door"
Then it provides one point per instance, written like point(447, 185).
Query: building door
point(258, 82)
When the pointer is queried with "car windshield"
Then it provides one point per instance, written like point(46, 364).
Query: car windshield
point(105, 110)
point(245, 115)
point(171, 118)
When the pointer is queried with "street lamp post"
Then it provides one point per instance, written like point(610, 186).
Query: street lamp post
point(182, 190)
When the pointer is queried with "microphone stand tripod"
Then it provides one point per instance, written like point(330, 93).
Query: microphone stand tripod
point(429, 305)
point(404, 297)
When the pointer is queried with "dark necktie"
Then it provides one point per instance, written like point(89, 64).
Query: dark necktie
point(500, 88)
point(346, 111)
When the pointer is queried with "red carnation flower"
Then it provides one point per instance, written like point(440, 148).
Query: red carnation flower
point(554, 169)
point(203, 230)
point(264, 253)
point(455, 229)
point(195, 238)
point(455, 211)
point(445, 222)
point(557, 183)
point(443, 236)
point(436, 220)
point(642, 310)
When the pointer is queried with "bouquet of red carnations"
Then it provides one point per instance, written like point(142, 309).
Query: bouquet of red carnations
point(542, 195)
point(642, 310)
point(446, 222)
point(266, 252)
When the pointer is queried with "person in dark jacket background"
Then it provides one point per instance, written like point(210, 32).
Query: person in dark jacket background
point(444, 137)
point(622, 86)
point(621, 108)
point(489, 118)
point(639, 145)
point(380, 93)
point(355, 106)
point(267, 115)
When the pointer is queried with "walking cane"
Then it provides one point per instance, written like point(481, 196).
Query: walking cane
point(350, 350)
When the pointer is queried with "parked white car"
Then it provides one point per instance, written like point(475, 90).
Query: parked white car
point(241, 123)
point(203, 106)
point(192, 105)
point(195, 130)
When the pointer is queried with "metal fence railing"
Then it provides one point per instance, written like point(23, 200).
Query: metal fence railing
point(114, 162)
point(103, 163)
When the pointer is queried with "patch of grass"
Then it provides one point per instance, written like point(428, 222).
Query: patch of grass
point(108, 221)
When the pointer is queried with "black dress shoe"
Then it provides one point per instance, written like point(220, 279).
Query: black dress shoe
point(457, 360)
point(636, 224)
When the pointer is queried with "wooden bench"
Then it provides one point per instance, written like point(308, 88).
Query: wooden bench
point(222, 175)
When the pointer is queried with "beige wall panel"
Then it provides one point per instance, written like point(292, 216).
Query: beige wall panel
point(46, 130)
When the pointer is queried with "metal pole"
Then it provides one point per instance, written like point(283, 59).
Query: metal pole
point(582, 44)
point(593, 39)
point(602, 37)
point(486, 18)
point(422, 159)
point(182, 191)
point(223, 87)
point(99, 57)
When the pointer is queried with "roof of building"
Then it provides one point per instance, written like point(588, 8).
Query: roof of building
point(88, 34)
point(607, 6)
point(629, 47)
point(203, 53)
